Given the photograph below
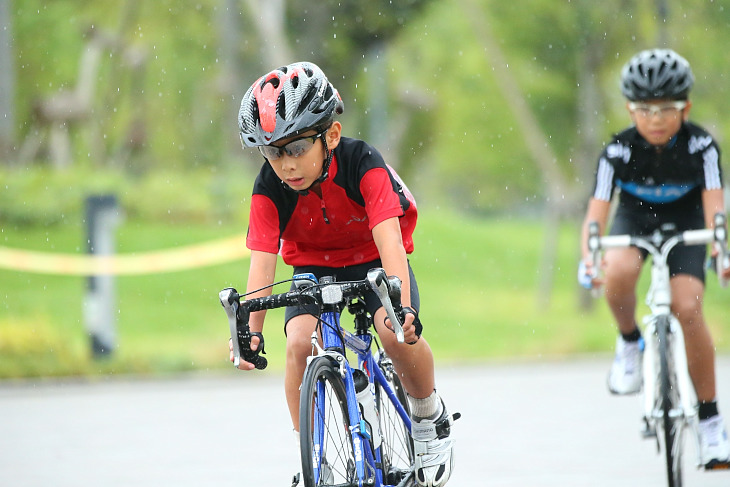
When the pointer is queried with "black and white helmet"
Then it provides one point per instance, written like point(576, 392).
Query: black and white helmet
point(287, 102)
point(656, 74)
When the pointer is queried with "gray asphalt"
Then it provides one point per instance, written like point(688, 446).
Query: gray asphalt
point(537, 423)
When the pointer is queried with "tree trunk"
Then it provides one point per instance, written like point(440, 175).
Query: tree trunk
point(537, 144)
point(269, 17)
point(7, 83)
point(589, 59)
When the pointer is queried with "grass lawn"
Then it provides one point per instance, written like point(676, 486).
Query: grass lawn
point(478, 280)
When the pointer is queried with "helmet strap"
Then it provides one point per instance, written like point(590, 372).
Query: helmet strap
point(326, 163)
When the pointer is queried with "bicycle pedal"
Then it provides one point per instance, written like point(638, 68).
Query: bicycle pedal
point(718, 465)
point(295, 481)
point(396, 476)
point(648, 433)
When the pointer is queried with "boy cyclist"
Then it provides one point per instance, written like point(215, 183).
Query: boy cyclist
point(331, 206)
point(668, 171)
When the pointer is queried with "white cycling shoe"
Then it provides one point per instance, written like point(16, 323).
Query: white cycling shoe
point(625, 375)
point(714, 444)
point(433, 449)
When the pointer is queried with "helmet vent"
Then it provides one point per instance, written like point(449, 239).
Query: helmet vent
point(249, 116)
point(656, 74)
point(306, 100)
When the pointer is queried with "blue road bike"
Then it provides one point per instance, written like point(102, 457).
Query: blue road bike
point(343, 443)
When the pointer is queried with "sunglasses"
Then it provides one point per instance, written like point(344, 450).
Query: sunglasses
point(295, 148)
point(646, 110)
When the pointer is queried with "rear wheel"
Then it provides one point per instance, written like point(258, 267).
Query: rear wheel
point(671, 420)
point(397, 446)
point(326, 442)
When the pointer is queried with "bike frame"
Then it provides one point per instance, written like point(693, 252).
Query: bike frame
point(659, 299)
point(332, 297)
point(332, 334)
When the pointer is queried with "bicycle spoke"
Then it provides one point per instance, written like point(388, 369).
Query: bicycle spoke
point(327, 454)
point(671, 409)
point(397, 447)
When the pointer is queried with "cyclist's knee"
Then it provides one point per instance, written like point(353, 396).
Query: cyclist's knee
point(688, 309)
point(418, 353)
point(620, 274)
point(299, 336)
point(389, 342)
point(623, 266)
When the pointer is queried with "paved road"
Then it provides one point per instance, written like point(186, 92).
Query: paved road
point(542, 423)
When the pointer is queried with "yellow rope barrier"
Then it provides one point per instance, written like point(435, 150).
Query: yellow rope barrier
point(176, 259)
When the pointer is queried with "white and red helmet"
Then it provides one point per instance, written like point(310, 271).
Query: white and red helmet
point(287, 102)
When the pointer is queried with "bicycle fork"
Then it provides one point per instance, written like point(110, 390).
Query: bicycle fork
point(687, 394)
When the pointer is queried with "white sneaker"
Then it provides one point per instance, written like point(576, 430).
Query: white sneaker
point(625, 375)
point(433, 449)
point(714, 444)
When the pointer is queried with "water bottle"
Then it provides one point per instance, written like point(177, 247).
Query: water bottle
point(366, 400)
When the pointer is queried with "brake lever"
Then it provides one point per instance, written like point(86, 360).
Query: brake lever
point(240, 332)
point(722, 261)
point(378, 280)
point(229, 298)
point(594, 245)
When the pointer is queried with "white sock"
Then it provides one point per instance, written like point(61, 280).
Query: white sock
point(426, 408)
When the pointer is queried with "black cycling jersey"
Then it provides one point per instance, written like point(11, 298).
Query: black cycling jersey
point(660, 185)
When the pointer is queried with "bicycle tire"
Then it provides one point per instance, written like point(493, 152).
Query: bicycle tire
point(397, 453)
point(672, 429)
point(325, 437)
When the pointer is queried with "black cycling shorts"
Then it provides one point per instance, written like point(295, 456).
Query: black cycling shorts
point(350, 273)
point(682, 259)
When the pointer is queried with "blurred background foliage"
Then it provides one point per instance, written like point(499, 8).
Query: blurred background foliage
point(432, 84)
point(491, 111)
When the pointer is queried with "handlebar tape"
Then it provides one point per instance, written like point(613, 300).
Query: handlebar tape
point(244, 335)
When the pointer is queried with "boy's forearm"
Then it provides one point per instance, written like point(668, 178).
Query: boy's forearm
point(597, 212)
point(395, 263)
point(262, 271)
point(393, 255)
point(713, 201)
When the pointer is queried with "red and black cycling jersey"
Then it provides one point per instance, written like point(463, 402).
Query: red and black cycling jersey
point(336, 229)
point(659, 184)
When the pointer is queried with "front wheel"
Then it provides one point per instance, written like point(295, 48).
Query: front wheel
point(671, 420)
point(326, 442)
point(397, 447)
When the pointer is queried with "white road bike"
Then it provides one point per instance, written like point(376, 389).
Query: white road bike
point(669, 398)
